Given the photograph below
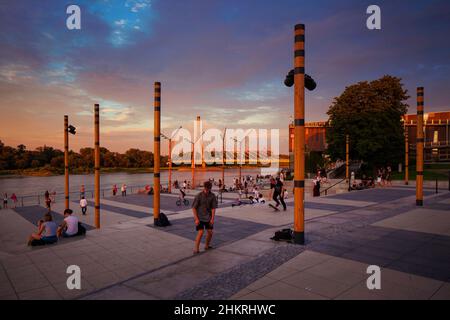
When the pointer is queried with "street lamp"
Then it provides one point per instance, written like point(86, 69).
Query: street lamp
point(240, 153)
point(72, 130)
point(310, 84)
point(223, 157)
point(170, 157)
point(297, 78)
point(193, 157)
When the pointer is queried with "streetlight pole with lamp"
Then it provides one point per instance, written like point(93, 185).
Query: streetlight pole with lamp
point(169, 189)
point(72, 130)
point(300, 80)
point(193, 157)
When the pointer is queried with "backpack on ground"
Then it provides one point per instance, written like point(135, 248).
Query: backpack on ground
point(40, 242)
point(283, 235)
point(162, 221)
point(81, 229)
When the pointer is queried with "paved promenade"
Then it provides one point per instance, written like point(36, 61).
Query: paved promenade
point(128, 258)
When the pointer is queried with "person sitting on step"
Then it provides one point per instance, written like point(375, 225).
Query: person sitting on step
point(46, 231)
point(69, 227)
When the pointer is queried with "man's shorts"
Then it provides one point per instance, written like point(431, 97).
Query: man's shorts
point(204, 225)
point(66, 235)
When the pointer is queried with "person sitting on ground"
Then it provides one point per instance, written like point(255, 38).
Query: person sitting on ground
point(237, 203)
point(46, 231)
point(261, 199)
point(252, 200)
point(69, 227)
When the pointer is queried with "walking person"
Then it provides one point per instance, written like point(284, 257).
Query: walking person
point(14, 200)
point(272, 186)
point(83, 205)
point(389, 176)
point(204, 209)
point(5, 201)
point(48, 201)
point(124, 190)
point(278, 194)
point(82, 191)
point(379, 176)
point(114, 190)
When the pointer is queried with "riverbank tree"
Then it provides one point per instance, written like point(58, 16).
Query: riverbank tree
point(20, 158)
point(370, 113)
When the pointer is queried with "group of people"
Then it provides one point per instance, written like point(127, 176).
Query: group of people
point(13, 199)
point(123, 190)
point(384, 177)
point(49, 232)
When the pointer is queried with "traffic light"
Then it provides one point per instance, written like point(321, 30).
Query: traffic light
point(72, 129)
point(310, 84)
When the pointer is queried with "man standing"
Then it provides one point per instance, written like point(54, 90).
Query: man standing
point(278, 191)
point(204, 209)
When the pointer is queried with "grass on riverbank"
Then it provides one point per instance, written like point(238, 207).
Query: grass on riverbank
point(433, 172)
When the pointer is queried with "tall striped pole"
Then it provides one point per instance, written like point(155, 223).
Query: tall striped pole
point(419, 147)
point(157, 151)
point(299, 134)
point(347, 157)
point(97, 164)
point(66, 161)
point(406, 156)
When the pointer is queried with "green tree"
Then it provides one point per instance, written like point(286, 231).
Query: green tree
point(370, 113)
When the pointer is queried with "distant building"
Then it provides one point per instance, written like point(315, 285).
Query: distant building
point(437, 136)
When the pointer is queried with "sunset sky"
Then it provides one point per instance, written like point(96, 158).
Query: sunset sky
point(223, 60)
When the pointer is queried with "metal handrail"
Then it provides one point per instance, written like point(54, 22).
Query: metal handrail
point(325, 191)
point(88, 194)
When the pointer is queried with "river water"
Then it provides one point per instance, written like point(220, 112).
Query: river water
point(25, 186)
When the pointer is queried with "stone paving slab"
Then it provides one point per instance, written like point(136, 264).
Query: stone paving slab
point(327, 277)
point(327, 206)
point(378, 194)
point(128, 212)
point(226, 229)
point(425, 220)
point(338, 201)
point(167, 201)
point(35, 213)
point(129, 258)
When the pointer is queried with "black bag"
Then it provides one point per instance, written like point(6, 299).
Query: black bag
point(81, 230)
point(40, 242)
point(163, 221)
point(283, 235)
